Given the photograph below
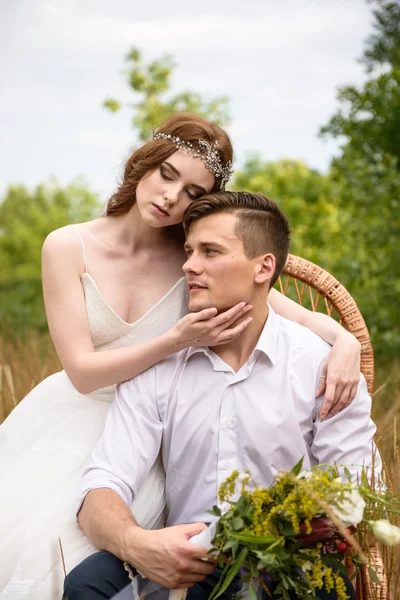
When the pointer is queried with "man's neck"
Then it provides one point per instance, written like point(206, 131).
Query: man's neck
point(238, 352)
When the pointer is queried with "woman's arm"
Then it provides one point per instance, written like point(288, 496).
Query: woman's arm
point(62, 264)
point(341, 371)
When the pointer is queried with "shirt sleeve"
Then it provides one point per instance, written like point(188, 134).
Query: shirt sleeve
point(130, 443)
point(348, 437)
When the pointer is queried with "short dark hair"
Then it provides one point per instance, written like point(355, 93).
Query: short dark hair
point(261, 225)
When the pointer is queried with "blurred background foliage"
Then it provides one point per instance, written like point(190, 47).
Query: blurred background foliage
point(347, 220)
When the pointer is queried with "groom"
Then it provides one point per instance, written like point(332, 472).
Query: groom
point(249, 404)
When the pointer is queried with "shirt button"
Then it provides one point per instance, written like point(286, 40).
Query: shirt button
point(229, 424)
point(226, 464)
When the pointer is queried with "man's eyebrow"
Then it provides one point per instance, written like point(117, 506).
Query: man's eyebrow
point(175, 170)
point(214, 244)
point(205, 245)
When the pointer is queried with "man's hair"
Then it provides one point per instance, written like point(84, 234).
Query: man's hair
point(260, 224)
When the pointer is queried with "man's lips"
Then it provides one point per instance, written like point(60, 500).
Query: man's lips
point(160, 210)
point(192, 286)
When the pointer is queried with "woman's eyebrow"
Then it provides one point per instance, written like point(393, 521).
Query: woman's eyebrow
point(199, 187)
point(175, 170)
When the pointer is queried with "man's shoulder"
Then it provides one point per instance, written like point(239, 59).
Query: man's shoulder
point(296, 338)
point(168, 366)
point(165, 370)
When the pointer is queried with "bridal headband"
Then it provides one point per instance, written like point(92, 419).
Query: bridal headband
point(206, 151)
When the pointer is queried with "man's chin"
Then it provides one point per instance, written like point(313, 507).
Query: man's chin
point(196, 305)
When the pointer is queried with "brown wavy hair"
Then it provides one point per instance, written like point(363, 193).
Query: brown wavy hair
point(188, 127)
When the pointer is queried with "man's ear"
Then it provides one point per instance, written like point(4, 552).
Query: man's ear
point(265, 268)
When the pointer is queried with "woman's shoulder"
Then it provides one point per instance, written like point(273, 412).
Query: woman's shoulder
point(66, 239)
point(64, 245)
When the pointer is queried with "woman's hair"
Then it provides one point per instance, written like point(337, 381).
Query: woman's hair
point(189, 128)
point(260, 224)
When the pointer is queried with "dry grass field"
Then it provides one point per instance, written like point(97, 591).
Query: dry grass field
point(24, 363)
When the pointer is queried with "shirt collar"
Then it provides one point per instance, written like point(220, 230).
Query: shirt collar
point(267, 342)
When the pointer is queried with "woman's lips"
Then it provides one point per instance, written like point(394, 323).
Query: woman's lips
point(159, 211)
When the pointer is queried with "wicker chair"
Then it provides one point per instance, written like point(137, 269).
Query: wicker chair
point(318, 290)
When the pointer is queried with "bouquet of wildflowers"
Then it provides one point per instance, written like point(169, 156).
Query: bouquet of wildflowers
point(296, 534)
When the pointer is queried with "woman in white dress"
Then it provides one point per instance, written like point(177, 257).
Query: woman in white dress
point(116, 304)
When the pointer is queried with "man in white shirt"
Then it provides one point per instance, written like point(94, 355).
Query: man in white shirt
point(249, 404)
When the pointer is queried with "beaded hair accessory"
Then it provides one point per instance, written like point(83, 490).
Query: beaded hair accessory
point(206, 151)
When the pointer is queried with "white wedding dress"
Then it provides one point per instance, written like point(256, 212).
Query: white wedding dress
point(44, 446)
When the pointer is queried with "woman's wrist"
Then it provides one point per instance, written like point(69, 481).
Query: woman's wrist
point(171, 343)
point(348, 338)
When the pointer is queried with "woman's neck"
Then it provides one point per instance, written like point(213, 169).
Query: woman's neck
point(133, 234)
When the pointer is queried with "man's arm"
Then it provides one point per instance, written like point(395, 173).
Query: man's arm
point(347, 438)
point(120, 462)
point(130, 442)
point(164, 556)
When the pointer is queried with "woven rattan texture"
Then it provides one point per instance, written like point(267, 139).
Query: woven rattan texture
point(316, 289)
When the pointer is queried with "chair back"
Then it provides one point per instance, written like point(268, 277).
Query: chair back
point(316, 289)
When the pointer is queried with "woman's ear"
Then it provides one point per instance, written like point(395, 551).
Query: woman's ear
point(265, 268)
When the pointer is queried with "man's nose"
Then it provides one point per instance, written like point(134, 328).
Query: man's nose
point(192, 265)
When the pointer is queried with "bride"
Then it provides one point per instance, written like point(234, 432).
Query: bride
point(116, 304)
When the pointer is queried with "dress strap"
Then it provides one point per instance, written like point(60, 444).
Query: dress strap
point(83, 247)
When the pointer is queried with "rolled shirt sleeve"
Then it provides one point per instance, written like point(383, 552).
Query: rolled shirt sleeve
point(130, 443)
point(348, 437)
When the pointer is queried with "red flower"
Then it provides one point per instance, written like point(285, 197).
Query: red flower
point(322, 530)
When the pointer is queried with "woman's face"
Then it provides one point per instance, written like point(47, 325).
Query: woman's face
point(164, 194)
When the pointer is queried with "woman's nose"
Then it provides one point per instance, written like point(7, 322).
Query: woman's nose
point(171, 195)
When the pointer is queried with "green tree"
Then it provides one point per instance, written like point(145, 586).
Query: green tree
point(369, 197)
point(151, 85)
point(306, 197)
point(26, 218)
point(367, 179)
point(368, 119)
point(383, 46)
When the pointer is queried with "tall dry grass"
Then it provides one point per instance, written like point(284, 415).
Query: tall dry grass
point(24, 362)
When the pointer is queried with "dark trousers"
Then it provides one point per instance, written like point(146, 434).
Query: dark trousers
point(102, 576)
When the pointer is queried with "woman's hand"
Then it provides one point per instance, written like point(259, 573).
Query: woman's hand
point(206, 328)
point(340, 375)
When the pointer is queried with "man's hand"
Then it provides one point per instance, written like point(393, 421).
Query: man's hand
point(167, 557)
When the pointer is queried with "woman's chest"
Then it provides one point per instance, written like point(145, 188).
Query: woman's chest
point(133, 288)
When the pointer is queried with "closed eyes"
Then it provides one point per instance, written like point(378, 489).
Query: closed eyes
point(166, 177)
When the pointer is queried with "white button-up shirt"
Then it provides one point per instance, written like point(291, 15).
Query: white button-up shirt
point(208, 420)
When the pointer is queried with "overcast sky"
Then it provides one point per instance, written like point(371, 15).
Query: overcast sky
point(280, 62)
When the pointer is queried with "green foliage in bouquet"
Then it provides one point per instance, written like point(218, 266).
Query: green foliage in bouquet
point(297, 533)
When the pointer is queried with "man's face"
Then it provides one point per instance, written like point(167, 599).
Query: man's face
point(217, 271)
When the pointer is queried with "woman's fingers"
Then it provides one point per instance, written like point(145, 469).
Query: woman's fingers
point(228, 335)
point(229, 316)
point(205, 327)
point(203, 315)
point(322, 381)
point(218, 327)
point(329, 400)
point(342, 369)
point(340, 401)
point(347, 393)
